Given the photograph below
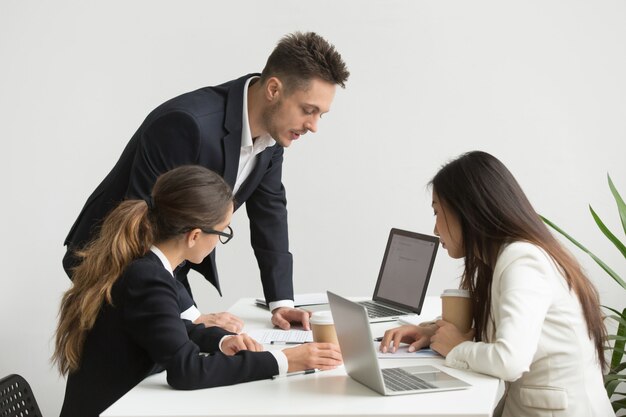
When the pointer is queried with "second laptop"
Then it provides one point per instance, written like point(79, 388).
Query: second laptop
point(404, 275)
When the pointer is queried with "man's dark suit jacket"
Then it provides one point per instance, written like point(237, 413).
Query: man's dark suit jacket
point(143, 330)
point(201, 127)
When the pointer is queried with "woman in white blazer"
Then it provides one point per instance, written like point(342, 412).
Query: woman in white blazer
point(537, 320)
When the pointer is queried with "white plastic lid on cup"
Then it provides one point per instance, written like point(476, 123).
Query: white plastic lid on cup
point(321, 317)
point(455, 293)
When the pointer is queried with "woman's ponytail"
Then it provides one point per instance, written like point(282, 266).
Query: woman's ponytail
point(126, 234)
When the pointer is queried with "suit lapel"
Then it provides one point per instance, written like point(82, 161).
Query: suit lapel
point(232, 149)
point(232, 122)
point(255, 177)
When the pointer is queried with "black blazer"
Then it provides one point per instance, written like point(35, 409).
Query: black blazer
point(202, 127)
point(142, 331)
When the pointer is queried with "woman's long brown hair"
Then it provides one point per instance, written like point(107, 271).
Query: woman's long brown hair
point(493, 211)
point(183, 199)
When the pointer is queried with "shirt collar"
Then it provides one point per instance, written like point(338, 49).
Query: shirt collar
point(163, 258)
point(246, 134)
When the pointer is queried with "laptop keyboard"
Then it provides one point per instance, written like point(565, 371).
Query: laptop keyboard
point(376, 310)
point(397, 379)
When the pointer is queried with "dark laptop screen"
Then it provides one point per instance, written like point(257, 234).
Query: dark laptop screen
point(406, 269)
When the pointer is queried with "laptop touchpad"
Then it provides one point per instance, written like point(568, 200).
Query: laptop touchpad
point(434, 376)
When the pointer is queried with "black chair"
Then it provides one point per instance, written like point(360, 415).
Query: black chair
point(16, 398)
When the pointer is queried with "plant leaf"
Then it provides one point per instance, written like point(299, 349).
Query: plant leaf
point(621, 206)
point(611, 386)
point(612, 309)
point(619, 368)
point(619, 245)
point(618, 347)
point(604, 266)
point(618, 319)
point(618, 405)
point(621, 352)
point(612, 377)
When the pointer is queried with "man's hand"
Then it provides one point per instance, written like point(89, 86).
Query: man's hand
point(224, 320)
point(323, 356)
point(284, 316)
point(233, 344)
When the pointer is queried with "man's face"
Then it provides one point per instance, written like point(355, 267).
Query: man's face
point(293, 115)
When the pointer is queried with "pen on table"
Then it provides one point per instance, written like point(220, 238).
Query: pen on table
point(307, 371)
point(281, 342)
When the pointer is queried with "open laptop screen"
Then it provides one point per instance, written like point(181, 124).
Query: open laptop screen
point(406, 268)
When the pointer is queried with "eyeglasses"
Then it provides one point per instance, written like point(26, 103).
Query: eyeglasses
point(225, 237)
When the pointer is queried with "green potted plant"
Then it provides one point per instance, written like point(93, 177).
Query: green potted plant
point(617, 372)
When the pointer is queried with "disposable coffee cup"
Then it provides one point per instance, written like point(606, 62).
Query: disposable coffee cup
point(323, 327)
point(456, 308)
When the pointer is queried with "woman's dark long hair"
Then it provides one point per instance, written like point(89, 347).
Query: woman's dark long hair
point(493, 210)
point(183, 199)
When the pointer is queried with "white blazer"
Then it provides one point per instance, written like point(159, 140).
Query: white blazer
point(540, 346)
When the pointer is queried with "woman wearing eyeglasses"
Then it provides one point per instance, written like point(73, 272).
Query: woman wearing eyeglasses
point(121, 319)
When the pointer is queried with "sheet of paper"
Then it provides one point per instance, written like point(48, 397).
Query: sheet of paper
point(267, 336)
point(307, 299)
point(415, 319)
point(403, 353)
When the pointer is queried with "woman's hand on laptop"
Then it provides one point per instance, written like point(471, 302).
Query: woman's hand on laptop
point(417, 336)
point(323, 356)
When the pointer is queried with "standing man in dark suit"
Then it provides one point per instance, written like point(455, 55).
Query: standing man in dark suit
point(239, 130)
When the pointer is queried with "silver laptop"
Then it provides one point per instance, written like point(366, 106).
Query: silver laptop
point(361, 362)
point(403, 277)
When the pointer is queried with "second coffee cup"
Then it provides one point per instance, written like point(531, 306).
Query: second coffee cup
point(323, 327)
point(456, 308)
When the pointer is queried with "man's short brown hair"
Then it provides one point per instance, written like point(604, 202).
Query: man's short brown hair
point(300, 57)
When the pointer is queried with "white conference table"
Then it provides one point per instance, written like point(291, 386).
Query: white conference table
point(328, 393)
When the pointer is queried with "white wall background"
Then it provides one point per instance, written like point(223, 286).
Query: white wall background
point(540, 84)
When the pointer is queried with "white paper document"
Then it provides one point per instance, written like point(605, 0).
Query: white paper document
point(307, 299)
point(267, 336)
point(415, 320)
